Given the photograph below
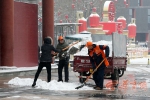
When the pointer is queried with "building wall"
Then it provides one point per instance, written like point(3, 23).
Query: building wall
point(146, 3)
point(133, 3)
point(141, 20)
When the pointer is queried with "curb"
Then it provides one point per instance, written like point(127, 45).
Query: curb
point(25, 71)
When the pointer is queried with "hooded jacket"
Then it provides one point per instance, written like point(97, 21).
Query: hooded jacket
point(46, 50)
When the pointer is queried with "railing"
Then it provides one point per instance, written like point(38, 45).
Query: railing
point(137, 52)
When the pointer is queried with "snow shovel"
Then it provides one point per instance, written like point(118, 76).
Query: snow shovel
point(71, 45)
point(90, 74)
point(55, 54)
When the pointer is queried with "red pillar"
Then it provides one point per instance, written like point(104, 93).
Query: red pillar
point(0, 30)
point(48, 18)
point(6, 32)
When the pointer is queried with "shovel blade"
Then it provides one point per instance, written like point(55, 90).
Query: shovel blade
point(79, 86)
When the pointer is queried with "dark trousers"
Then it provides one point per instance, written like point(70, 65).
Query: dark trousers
point(98, 76)
point(40, 67)
point(63, 64)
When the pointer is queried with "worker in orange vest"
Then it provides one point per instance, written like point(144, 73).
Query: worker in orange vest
point(97, 54)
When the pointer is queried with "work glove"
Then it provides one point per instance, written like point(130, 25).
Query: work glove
point(65, 54)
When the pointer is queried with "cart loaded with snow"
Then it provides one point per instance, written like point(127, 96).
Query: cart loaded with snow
point(117, 56)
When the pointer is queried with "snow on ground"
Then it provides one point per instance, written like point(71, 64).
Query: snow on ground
point(133, 69)
point(139, 61)
point(53, 85)
point(148, 81)
point(139, 68)
point(140, 65)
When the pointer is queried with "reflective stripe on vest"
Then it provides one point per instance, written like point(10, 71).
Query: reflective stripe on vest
point(98, 51)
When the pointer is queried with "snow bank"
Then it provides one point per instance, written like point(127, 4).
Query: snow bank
point(53, 85)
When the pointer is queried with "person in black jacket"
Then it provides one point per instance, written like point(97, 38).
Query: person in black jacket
point(45, 59)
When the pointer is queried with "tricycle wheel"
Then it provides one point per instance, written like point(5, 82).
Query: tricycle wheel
point(121, 72)
point(82, 80)
point(115, 78)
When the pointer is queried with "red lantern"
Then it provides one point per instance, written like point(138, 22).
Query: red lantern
point(125, 2)
point(66, 16)
point(60, 21)
point(94, 19)
point(59, 13)
point(83, 26)
point(123, 20)
point(94, 9)
point(40, 19)
point(73, 6)
point(40, 3)
point(127, 5)
point(132, 30)
point(91, 3)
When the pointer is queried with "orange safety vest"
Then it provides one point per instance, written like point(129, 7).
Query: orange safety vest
point(98, 51)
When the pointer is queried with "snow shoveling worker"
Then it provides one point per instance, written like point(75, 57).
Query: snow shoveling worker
point(97, 54)
point(64, 57)
point(45, 59)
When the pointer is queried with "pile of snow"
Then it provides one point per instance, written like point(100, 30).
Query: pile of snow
point(84, 50)
point(83, 42)
point(53, 85)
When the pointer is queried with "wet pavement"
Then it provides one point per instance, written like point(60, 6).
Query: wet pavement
point(132, 86)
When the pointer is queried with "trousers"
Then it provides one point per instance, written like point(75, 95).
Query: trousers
point(63, 64)
point(40, 67)
point(98, 76)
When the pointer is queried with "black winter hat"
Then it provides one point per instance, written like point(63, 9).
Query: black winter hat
point(47, 40)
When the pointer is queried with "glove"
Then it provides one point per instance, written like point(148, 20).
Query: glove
point(65, 54)
point(57, 56)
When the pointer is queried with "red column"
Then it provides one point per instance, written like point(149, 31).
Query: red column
point(6, 32)
point(0, 30)
point(48, 18)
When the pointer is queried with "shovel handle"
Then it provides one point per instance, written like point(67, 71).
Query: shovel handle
point(70, 45)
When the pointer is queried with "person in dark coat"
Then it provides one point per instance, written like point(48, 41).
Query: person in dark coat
point(97, 55)
point(45, 59)
point(63, 59)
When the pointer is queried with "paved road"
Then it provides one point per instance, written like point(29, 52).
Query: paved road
point(133, 85)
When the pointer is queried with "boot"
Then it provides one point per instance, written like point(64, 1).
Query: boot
point(33, 85)
point(98, 88)
point(60, 80)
